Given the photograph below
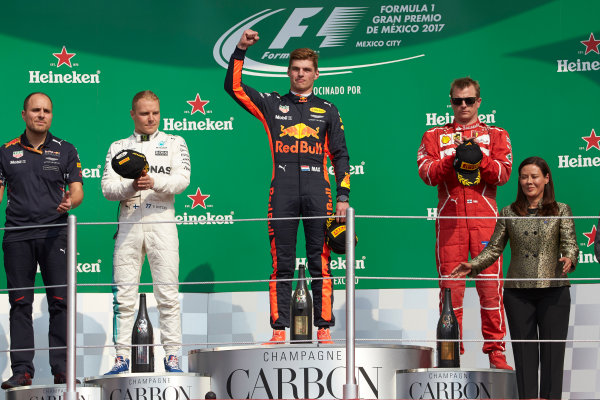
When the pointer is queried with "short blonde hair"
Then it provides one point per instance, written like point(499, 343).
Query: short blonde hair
point(144, 94)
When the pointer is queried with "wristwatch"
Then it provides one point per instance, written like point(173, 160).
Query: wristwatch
point(342, 198)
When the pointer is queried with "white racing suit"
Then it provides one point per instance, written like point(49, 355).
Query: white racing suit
point(169, 162)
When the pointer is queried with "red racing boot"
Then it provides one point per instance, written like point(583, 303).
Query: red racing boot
point(324, 336)
point(278, 337)
point(498, 360)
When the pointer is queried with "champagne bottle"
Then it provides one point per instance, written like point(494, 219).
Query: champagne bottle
point(142, 357)
point(302, 310)
point(448, 353)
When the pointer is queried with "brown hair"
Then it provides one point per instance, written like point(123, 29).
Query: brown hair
point(144, 94)
point(549, 205)
point(26, 102)
point(465, 82)
point(305, 54)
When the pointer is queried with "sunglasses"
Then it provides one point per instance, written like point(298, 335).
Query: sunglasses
point(457, 101)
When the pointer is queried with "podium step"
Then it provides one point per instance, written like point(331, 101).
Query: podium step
point(52, 392)
point(150, 386)
point(456, 383)
point(304, 371)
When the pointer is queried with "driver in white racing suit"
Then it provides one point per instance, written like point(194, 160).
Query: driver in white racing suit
point(147, 198)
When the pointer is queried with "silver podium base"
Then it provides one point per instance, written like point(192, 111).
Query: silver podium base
point(294, 371)
point(151, 386)
point(52, 392)
point(456, 383)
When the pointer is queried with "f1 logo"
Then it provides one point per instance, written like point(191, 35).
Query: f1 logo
point(292, 27)
point(335, 29)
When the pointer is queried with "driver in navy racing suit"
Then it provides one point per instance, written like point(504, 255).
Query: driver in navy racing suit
point(303, 130)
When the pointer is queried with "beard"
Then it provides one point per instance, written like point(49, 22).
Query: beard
point(37, 129)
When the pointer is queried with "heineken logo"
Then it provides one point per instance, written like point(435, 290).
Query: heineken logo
point(592, 141)
point(64, 57)
point(584, 64)
point(199, 122)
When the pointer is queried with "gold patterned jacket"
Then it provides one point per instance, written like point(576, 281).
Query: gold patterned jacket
point(536, 244)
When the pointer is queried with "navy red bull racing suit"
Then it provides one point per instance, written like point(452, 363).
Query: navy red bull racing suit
point(456, 238)
point(302, 132)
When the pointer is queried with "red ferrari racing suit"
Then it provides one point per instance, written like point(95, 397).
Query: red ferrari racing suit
point(456, 238)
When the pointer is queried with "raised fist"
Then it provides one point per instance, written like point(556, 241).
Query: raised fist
point(249, 37)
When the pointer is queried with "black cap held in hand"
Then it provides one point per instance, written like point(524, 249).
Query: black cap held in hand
point(336, 236)
point(129, 164)
point(466, 163)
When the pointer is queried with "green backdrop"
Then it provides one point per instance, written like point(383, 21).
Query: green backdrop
point(387, 66)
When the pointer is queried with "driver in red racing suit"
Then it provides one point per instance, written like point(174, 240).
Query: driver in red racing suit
point(303, 130)
point(456, 238)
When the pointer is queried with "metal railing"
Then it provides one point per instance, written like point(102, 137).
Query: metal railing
point(350, 388)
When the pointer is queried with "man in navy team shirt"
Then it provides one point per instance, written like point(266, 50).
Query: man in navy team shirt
point(41, 175)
